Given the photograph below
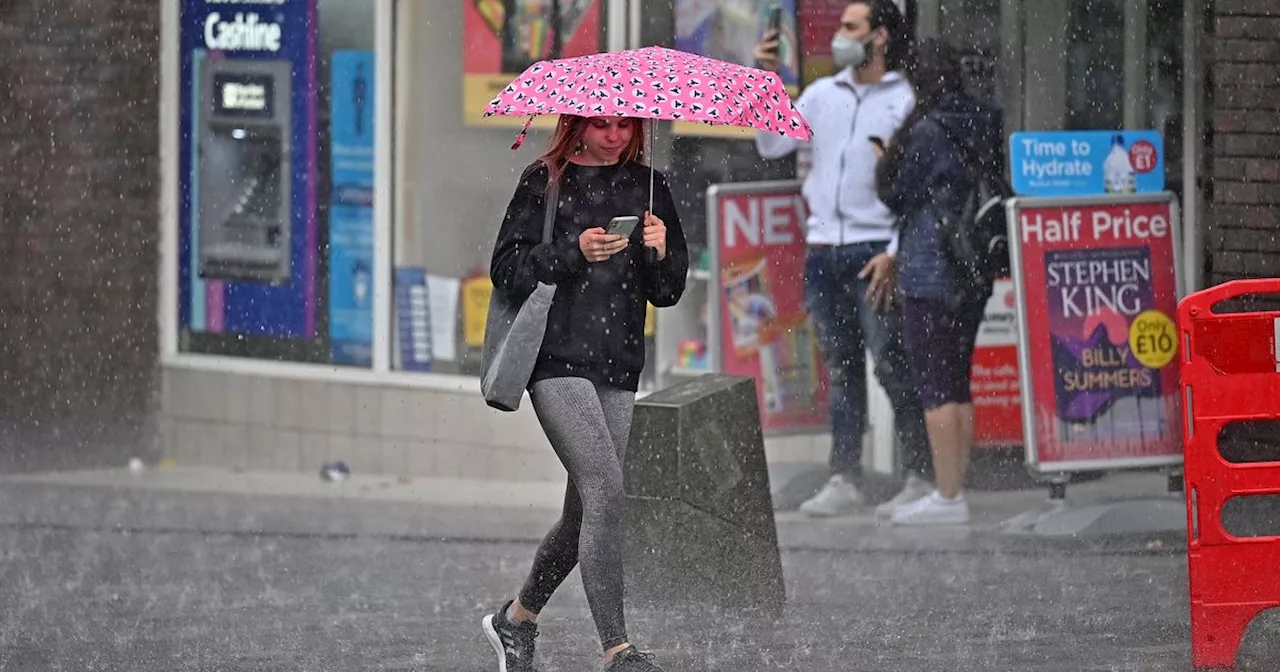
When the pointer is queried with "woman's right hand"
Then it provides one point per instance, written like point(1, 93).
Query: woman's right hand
point(597, 246)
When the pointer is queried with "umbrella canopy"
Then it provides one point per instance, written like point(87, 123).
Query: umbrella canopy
point(653, 83)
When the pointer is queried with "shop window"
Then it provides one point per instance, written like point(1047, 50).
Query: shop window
point(456, 172)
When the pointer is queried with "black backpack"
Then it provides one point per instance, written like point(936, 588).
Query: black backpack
point(978, 240)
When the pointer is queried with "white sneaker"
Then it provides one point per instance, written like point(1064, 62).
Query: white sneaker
point(933, 510)
point(914, 489)
point(839, 496)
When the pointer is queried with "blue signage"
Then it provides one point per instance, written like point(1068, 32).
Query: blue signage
point(228, 52)
point(413, 319)
point(351, 209)
point(1085, 163)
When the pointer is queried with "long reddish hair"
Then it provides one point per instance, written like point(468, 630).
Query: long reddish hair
point(569, 132)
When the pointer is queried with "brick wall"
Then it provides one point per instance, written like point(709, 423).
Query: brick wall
point(1244, 238)
point(78, 226)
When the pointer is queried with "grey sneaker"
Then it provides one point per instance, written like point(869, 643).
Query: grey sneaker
point(514, 644)
point(631, 659)
point(933, 510)
point(914, 489)
point(838, 497)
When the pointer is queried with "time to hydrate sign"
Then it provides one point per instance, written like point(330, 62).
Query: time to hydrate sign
point(1097, 278)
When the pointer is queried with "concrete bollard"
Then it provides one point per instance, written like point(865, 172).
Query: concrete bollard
point(699, 519)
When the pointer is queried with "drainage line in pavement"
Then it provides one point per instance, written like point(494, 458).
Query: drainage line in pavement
point(1043, 550)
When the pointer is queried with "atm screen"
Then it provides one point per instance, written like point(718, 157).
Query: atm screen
point(244, 95)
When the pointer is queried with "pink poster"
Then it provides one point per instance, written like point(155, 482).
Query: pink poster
point(765, 330)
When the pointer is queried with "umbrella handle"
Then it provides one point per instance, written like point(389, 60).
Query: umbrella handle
point(523, 132)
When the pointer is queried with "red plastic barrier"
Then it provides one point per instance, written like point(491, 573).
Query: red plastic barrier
point(1230, 372)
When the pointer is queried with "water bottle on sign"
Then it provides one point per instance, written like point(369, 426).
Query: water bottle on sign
point(1117, 171)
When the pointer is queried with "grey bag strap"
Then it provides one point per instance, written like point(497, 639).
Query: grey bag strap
point(553, 204)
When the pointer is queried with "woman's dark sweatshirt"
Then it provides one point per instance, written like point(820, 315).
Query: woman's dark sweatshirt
point(595, 329)
point(926, 179)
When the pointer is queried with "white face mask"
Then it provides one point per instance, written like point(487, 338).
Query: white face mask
point(848, 52)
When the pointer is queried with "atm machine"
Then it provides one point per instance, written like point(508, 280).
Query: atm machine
point(244, 171)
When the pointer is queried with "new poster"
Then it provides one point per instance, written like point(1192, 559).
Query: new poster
point(1098, 282)
point(728, 30)
point(503, 37)
point(757, 239)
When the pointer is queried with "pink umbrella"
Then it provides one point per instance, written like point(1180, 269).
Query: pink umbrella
point(652, 83)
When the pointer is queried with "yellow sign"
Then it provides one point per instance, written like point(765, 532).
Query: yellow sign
point(816, 68)
point(712, 130)
point(475, 309)
point(1153, 339)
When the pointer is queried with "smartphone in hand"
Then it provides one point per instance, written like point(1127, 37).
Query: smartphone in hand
point(774, 27)
point(622, 226)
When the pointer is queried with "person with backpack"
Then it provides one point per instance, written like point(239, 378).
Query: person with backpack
point(935, 174)
point(849, 236)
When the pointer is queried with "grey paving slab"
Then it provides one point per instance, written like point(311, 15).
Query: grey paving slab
point(98, 578)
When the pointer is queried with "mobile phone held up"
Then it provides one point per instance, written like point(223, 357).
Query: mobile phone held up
point(774, 27)
point(622, 226)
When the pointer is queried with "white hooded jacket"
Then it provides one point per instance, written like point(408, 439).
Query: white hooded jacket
point(840, 189)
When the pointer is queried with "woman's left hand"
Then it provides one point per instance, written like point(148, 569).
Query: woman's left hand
point(878, 273)
point(655, 234)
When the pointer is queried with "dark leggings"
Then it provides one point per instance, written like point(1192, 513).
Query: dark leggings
point(939, 339)
point(588, 426)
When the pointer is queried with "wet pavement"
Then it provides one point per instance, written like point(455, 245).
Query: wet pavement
point(108, 573)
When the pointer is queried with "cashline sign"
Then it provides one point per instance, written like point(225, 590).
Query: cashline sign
point(249, 240)
point(243, 31)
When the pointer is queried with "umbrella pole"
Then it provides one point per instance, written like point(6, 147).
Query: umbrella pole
point(653, 128)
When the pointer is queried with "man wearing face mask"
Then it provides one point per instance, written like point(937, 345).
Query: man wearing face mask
point(849, 265)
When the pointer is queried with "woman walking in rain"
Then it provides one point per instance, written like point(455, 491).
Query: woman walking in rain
point(584, 382)
point(925, 177)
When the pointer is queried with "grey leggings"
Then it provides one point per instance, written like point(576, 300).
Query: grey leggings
point(587, 425)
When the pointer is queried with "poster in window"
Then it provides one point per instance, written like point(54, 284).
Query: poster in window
point(728, 30)
point(351, 166)
point(503, 37)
